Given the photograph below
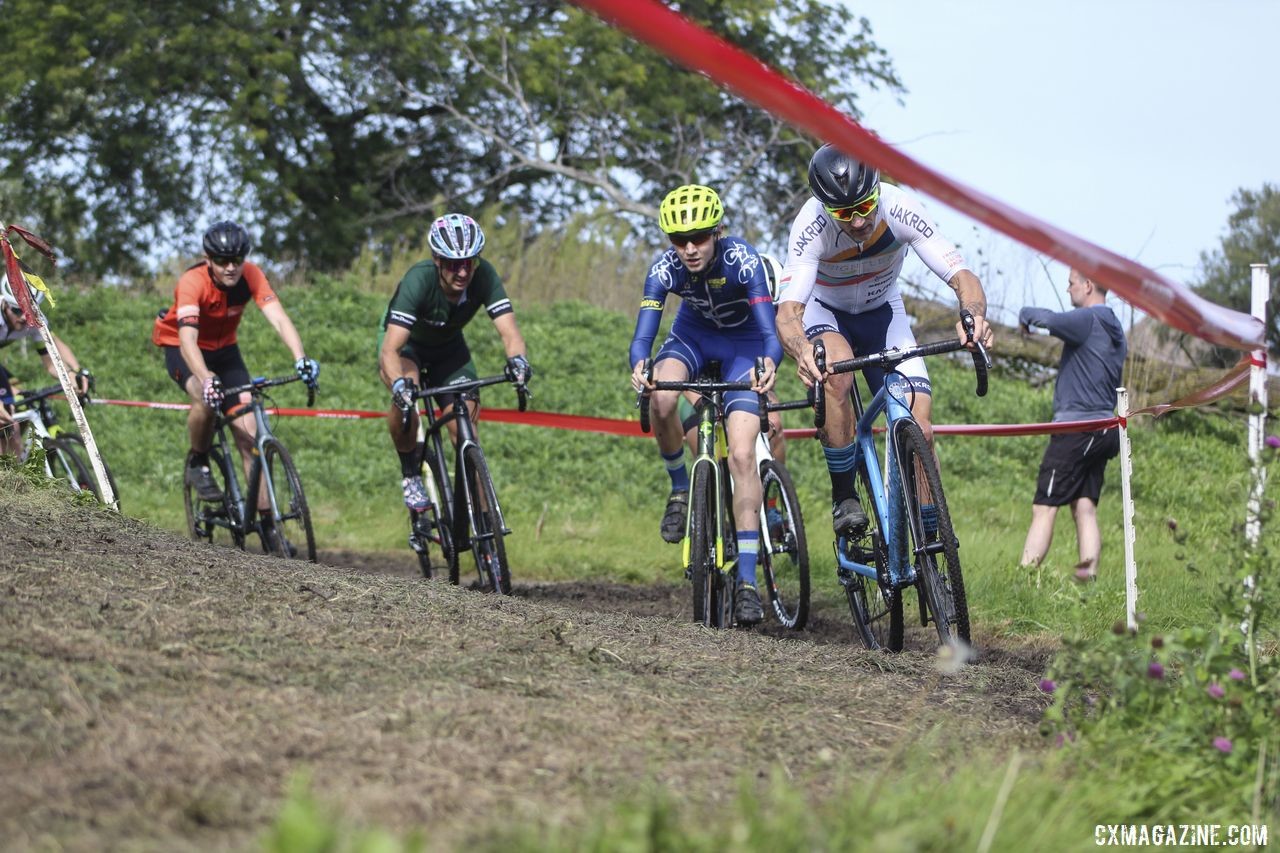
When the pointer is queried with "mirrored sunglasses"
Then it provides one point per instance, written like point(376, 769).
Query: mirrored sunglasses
point(863, 208)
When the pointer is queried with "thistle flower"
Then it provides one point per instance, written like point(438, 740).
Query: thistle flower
point(1155, 670)
point(1235, 675)
point(1273, 441)
point(1215, 690)
point(1222, 744)
point(1048, 685)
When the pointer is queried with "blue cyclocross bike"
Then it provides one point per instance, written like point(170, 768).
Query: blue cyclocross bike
point(907, 544)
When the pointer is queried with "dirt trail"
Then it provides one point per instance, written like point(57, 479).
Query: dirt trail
point(161, 694)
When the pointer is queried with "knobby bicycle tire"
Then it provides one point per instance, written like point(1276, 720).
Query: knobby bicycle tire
point(702, 544)
point(785, 562)
point(81, 452)
point(67, 465)
point(436, 525)
point(877, 616)
point(290, 535)
point(723, 583)
point(234, 528)
point(938, 569)
point(487, 537)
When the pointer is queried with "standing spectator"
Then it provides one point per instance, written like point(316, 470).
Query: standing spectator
point(1092, 360)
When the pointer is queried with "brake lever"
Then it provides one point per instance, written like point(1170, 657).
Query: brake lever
point(819, 394)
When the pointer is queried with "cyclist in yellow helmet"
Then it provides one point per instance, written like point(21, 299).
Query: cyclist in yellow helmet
point(725, 315)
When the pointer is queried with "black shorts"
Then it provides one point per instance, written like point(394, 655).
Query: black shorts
point(441, 365)
point(6, 389)
point(1073, 466)
point(225, 363)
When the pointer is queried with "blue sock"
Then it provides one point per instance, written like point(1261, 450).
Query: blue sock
point(676, 469)
point(841, 462)
point(748, 549)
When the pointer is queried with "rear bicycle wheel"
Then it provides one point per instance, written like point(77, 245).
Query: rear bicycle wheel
point(487, 534)
point(290, 534)
point(784, 555)
point(702, 544)
point(877, 614)
point(937, 554)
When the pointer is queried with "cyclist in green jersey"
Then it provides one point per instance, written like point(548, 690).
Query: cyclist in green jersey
point(422, 337)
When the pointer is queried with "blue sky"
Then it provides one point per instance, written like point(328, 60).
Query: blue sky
point(1129, 122)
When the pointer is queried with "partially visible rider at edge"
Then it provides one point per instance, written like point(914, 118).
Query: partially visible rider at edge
point(725, 315)
point(421, 338)
point(14, 327)
point(198, 335)
point(845, 253)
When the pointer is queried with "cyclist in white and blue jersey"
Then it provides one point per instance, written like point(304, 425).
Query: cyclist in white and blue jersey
point(725, 315)
point(846, 250)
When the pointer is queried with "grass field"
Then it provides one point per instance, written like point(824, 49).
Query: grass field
point(585, 506)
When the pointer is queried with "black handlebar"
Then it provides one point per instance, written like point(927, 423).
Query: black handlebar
point(700, 386)
point(460, 388)
point(889, 359)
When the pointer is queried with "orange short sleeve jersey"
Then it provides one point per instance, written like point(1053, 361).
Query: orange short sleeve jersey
point(215, 311)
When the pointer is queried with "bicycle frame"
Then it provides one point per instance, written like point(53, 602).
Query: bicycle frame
point(244, 519)
point(483, 525)
point(710, 452)
point(458, 413)
point(890, 402)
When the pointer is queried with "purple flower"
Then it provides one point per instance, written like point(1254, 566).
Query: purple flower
point(1235, 675)
point(1222, 744)
point(1155, 670)
point(1048, 685)
point(1273, 441)
point(1215, 690)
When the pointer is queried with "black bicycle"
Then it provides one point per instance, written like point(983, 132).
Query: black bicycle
point(474, 520)
point(284, 526)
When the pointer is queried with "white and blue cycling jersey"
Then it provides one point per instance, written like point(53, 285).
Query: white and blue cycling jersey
point(725, 315)
point(852, 287)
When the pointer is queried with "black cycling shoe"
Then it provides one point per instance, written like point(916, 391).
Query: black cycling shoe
point(747, 609)
point(201, 478)
point(673, 520)
point(848, 518)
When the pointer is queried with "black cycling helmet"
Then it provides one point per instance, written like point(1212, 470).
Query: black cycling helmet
point(227, 239)
point(838, 180)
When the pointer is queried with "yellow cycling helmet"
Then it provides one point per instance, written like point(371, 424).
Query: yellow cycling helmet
point(692, 207)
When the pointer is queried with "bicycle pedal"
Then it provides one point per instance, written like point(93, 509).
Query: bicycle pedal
point(416, 545)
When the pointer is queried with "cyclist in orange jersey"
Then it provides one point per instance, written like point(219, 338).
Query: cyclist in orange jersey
point(198, 335)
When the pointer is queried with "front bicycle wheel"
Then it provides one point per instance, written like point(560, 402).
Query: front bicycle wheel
point(67, 464)
point(76, 443)
point(702, 544)
point(435, 527)
point(487, 533)
point(289, 534)
point(877, 613)
point(937, 552)
point(784, 555)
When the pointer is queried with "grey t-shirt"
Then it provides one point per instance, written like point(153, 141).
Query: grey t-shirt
point(1092, 359)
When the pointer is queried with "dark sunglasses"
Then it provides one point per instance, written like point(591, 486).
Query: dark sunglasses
point(226, 260)
point(693, 237)
point(456, 264)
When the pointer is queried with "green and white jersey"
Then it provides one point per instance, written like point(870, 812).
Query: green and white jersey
point(420, 306)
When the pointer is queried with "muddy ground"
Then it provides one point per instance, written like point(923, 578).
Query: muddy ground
point(160, 694)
